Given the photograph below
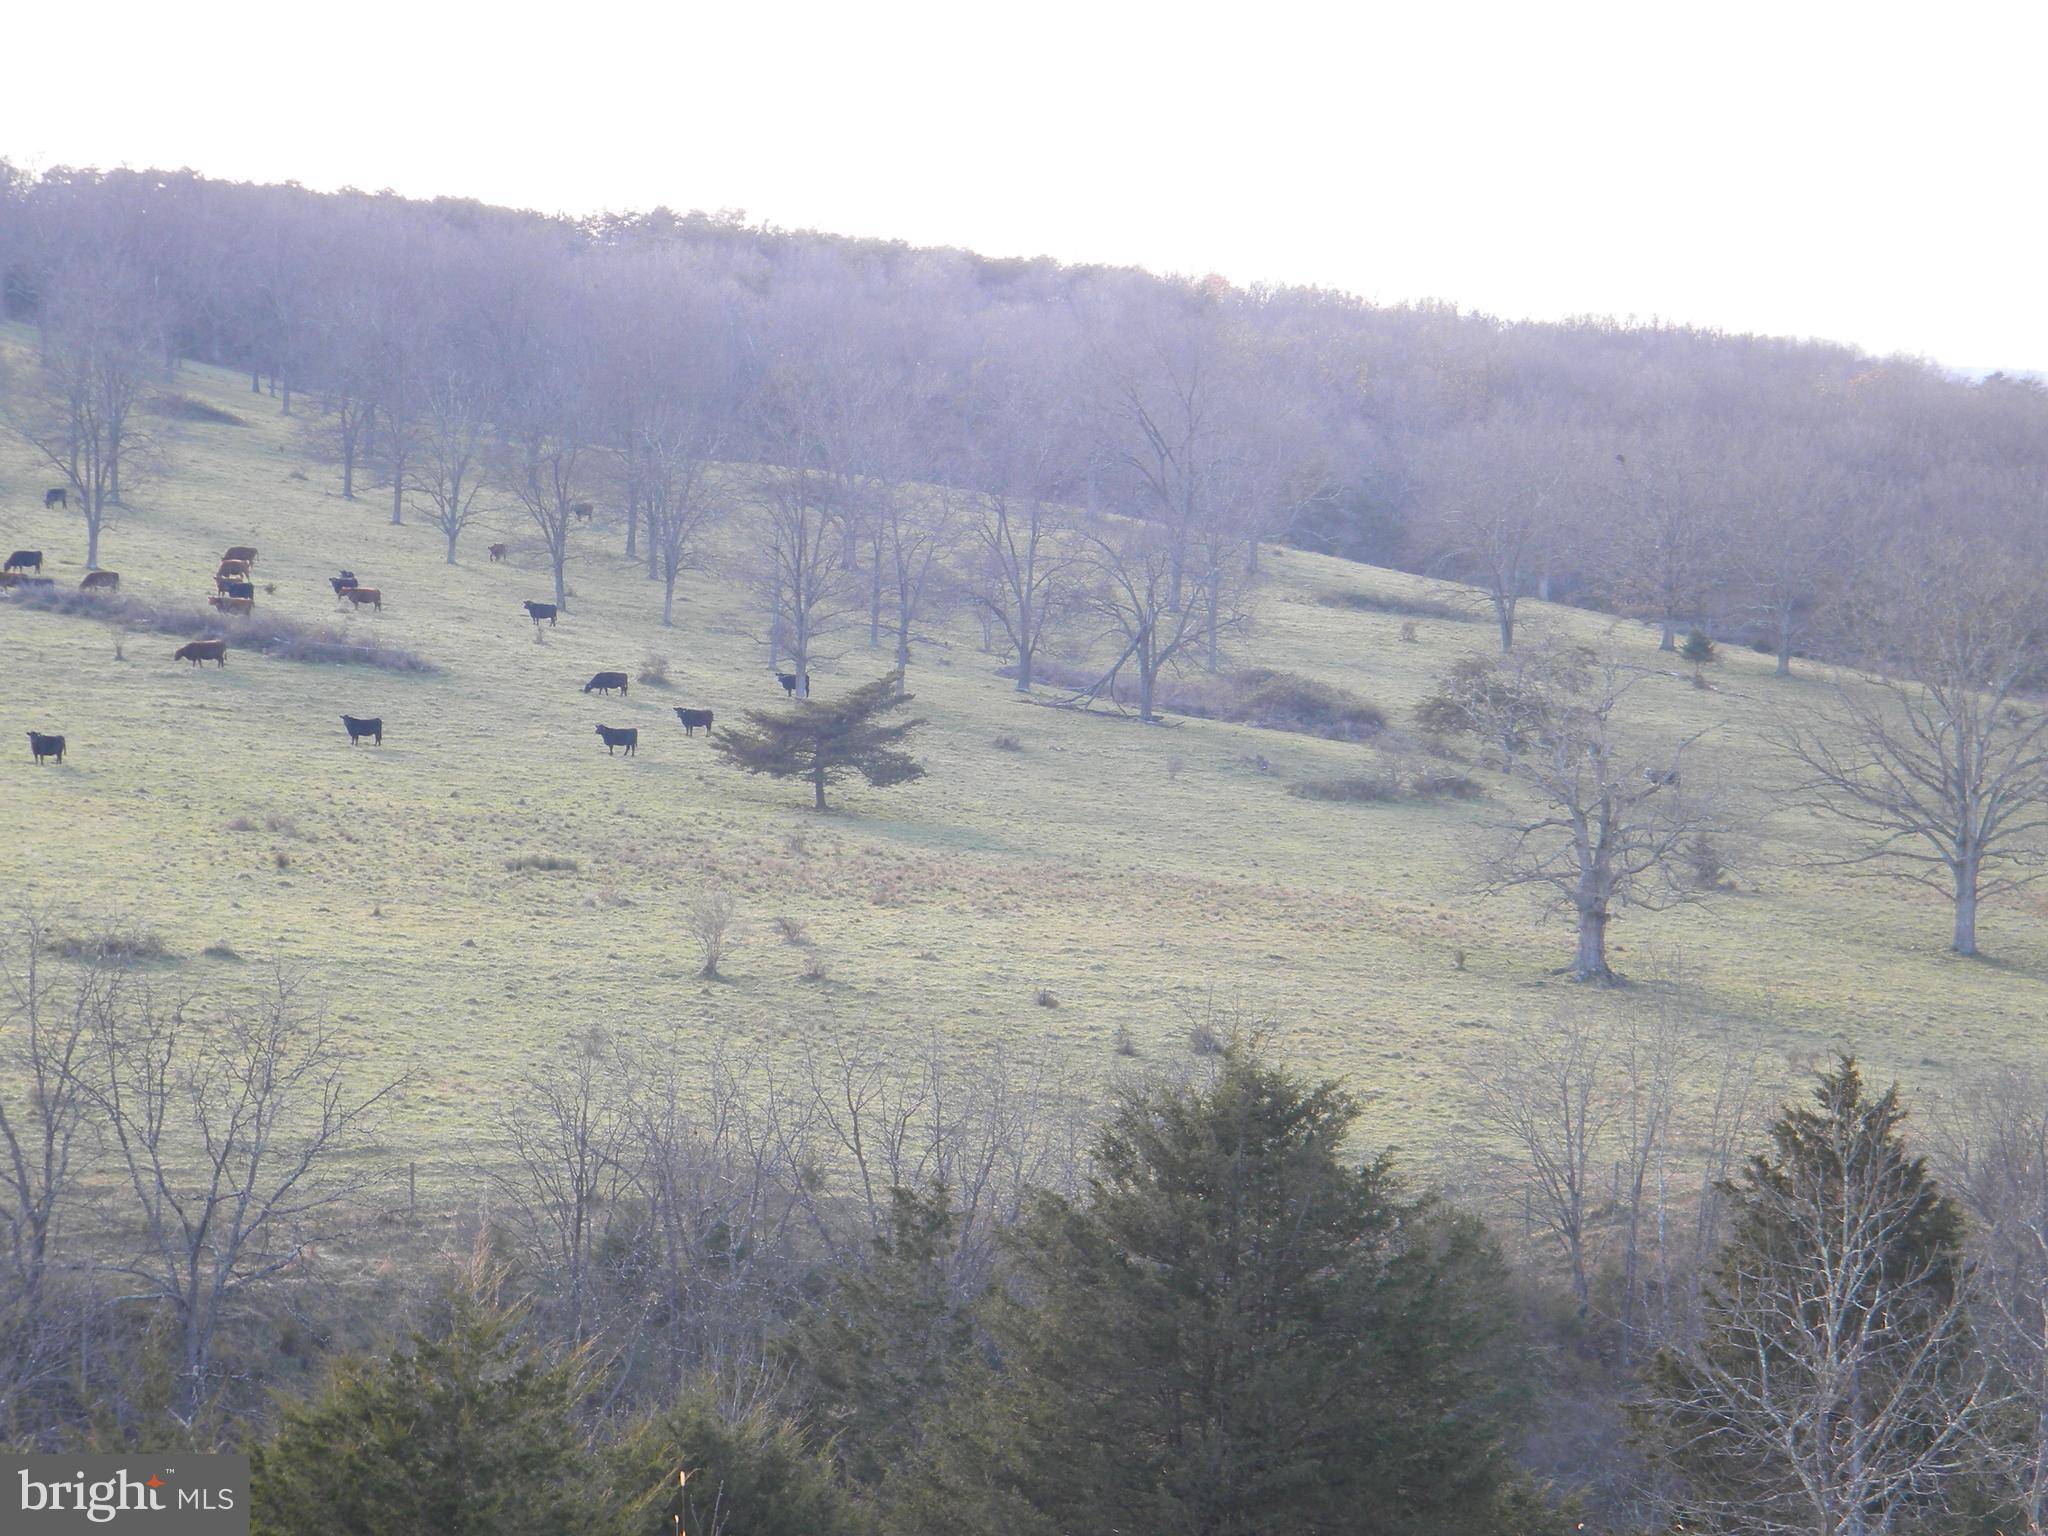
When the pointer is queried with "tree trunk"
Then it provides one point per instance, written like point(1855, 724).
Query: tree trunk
point(1504, 615)
point(668, 602)
point(453, 535)
point(92, 543)
point(1966, 907)
point(818, 789)
point(1590, 964)
point(1024, 657)
point(1669, 641)
point(561, 593)
point(348, 467)
point(397, 495)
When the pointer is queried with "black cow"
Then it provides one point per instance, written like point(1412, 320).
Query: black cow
point(24, 560)
point(789, 681)
point(345, 582)
point(612, 736)
point(41, 746)
point(582, 509)
point(56, 496)
point(605, 682)
point(692, 718)
point(357, 729)
point(539, 611)
point(239, 589)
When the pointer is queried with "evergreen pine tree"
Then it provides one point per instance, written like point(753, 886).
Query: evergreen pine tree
point(464, 1431)
point(1237, 1331)
point(1832, 1388)
point(825, 743)
point(706, 1472)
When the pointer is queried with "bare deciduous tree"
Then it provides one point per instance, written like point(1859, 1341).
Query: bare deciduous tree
point(447, 459)
point(1611, 825)
point(1937, 762)
point(710, 923)
point(100, 348)
point(238, 1137)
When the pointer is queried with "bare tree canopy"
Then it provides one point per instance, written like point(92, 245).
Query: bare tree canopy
point(1936, 762)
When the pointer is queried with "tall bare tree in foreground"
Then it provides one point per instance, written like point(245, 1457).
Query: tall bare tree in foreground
point(46, 1038)
point(100, 348)
point(1612, 824)
point(235, 1136)
point(1832, 1388)
point(1995, 1136)
point(1936, 763)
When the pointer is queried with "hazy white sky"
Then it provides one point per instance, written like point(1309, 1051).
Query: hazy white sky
point(1870, 173)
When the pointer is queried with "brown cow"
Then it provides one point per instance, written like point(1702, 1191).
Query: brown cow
point(497, 553)
point(196, 651)
point(362, 595)
point(235, 568)
point(100, 581)
point(241, 607)
point(245, 553)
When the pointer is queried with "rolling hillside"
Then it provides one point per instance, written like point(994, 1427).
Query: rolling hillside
point(1129, 873)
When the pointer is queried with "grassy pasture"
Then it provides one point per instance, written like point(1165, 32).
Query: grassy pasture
point(1130, 872)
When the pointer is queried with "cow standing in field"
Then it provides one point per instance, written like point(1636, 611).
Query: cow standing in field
point(365, 595)
point(198, 651)
point(246, 553)
point(539, 611)
point(342, 584)
point(41, 746)
point(612, 736)
point(232, 570)
point(240, 607)
point(497, 553)
point(229, 586)
point(24, 560)
point(790, 680)
point(692, 719)
point(582, 509)
point(57, 496)
point(605, 682)
point(101, 581)
point(357, 729)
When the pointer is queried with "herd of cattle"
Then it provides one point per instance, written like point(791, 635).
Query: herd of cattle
point(235, 594)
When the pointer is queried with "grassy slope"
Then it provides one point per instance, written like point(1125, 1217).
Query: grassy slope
point(1092, 863)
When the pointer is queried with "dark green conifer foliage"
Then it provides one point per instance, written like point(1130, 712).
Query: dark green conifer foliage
point(827, 742)
point(1238, 1331)
point(463, 1431)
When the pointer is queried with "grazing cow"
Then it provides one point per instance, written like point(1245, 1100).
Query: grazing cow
point(582, 509)
point(234, 586)
point(362, 595)
point(57, 496)
point(100, 581)
point(692, 718)
point(240, 607)
point(789, 681)
point(497, 553)
point(239, 569)
point(342, 585)
point(24, 560)
point(612, 736)
point(197, 651)
point(246, 553)
point(1662, 776)
point(357, 729)
point(605, 682)
point(349, 576)
point(539, 611)
point(41, 746)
